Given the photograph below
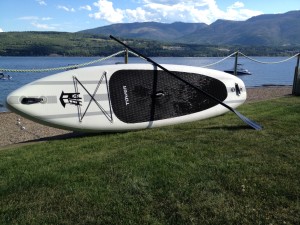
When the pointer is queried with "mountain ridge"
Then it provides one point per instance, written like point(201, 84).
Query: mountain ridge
point(263, 30)
point(147, 30)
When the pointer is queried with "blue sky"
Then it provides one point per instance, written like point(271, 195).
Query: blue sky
point(76, 15)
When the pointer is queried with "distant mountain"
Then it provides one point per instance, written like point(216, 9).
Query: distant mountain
point(263, 30)
point(148, 30)
point(277, 29)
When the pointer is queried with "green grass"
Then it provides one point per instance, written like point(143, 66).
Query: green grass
point(215, 171)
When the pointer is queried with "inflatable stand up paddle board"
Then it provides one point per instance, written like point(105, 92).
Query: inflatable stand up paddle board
point(126, 97)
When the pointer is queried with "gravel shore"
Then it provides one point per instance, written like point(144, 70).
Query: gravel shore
point(15, 129)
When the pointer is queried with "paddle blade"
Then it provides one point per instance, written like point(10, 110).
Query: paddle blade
point(251, 123)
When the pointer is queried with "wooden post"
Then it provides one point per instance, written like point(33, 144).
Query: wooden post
point(126, 56)
point(236, 63)
point(296, 84)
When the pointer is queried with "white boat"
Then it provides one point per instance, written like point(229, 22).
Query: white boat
point(239, 70)
point(3, 77)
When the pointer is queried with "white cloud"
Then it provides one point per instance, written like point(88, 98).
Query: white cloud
point(137, 14)
point(237, 5)
point(35, 21)
point(85, 7)
point(34, 18)
point(46, 18)
point(205, 11)
point(41, 2)
point(107, 12)
point(1, 30)
point(181, 11)
point(237, 11)
point(42, 26)
point(67, 9)
point(28, 18)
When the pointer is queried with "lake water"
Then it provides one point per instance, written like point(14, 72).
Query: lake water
point(262, 74)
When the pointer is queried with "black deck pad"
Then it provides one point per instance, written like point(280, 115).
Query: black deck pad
point(149, 95)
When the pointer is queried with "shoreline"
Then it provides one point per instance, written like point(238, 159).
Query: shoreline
point(16, 130)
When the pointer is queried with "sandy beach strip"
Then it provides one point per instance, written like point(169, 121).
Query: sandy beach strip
point(15, 129)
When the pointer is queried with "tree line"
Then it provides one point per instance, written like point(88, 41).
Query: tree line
point(80, 44)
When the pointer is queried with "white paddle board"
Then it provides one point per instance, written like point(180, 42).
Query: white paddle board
point(126, 97)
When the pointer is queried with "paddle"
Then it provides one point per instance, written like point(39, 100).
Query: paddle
point(251, 123)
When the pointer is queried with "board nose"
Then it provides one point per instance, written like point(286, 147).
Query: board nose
point(11, 102)
point(14, 100)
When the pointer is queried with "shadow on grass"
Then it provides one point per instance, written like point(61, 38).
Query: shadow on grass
point(53, 138)
point(228, 127)
point(74, 134)
point(67, 136)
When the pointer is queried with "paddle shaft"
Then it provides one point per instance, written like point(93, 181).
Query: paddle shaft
point(245, 119)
